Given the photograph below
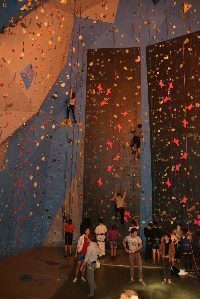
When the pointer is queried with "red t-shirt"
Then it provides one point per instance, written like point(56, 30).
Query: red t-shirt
point(85, 245)
point(69, 228)
point(113, 234)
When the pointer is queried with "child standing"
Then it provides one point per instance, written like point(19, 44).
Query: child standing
point(69, 229)
point(113, 236)
point(155, 236)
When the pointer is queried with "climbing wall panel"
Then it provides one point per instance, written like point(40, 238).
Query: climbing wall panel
point(112, 108)
point(173, 71)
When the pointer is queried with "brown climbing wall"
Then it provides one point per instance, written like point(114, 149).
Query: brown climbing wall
point(173, 76)
point(112, 108)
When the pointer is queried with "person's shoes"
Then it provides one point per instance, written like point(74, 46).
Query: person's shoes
point(83, 279)
point(75, 280)
point(90, 296)
point(171, 283)
point(142, 282)
point(132, 280)
point(164, 281)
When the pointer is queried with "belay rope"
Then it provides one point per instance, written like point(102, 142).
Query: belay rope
point(73, 161)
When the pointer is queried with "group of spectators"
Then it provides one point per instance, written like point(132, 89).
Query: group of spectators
point(91, 246)
point(166, 247)
point(181, 245)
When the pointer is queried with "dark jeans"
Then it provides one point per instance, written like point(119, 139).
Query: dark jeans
point(71, 108)
point(166, 268)
point(187, 259)
point(148, 251)
point(178, 251)
point(121, 211)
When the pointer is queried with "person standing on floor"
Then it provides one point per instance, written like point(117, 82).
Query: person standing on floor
point(156, 235)
point(133, 245)
point(86, 223)
point(134, 224)
point(100, 232)
point(113, 236)
point(179, 233)
point(167, 252)
point(69, 229)
point(148, 248)
point(186, 250)
point(71, 107)
point(90, 260)
point(83, 243)
point(120, 204)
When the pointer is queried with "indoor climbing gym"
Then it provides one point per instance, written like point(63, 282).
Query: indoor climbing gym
point(99, 149)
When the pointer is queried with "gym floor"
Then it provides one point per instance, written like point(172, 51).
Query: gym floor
point(112, 280)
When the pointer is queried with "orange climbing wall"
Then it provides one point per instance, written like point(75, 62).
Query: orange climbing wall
point(112, 108)
point(39, 41)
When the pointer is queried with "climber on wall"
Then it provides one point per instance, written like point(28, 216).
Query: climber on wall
point(136, 141)
point(120, 204)
point(71, 106)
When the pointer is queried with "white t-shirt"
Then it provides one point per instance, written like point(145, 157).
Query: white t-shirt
point(92, 253)
point(133, 242)
point(101, 229)
point(119, 202)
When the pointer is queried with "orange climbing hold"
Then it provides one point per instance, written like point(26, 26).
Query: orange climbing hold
point(66, 122)
point(186, 7)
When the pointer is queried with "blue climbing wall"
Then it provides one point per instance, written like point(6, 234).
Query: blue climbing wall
point(33, 179)
point(13, 9)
